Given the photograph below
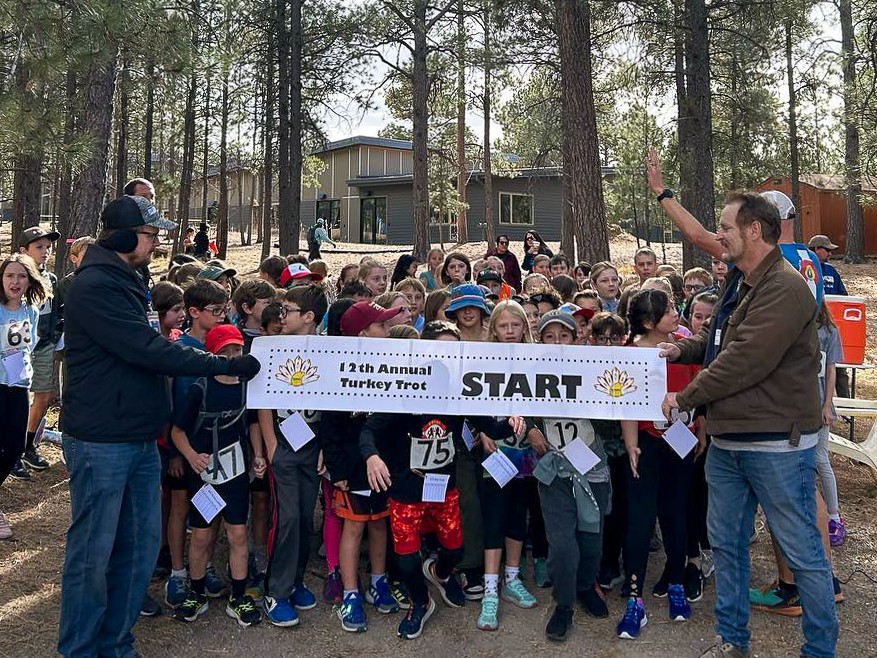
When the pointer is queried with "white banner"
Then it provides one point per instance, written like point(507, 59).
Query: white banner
point(457, 378)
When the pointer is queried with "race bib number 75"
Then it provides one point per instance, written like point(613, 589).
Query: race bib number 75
point(433, 449)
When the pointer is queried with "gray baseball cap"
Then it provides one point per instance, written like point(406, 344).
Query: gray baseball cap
point(131, 211)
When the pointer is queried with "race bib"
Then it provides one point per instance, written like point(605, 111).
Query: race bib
point(311, 416)
point(226, 465)
point(686, 417)
point(433, 449)
point(15, 335)
point(560, 432)
point(822, 364)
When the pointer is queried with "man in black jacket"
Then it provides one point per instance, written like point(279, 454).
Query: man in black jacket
point(116, 403)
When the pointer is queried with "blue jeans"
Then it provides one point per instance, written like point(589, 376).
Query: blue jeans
point(112, 545)
point(785, 486)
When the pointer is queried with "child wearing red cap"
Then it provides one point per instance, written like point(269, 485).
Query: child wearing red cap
point(209, 429)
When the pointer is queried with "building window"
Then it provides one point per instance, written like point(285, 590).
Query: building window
point(330, 212)
point(515, 208)
point(373, 220)
point(437, 216)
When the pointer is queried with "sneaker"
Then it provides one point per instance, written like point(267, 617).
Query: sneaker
point(515, 592)
point(34, 460)
point(660, 589)
point(837, 531)
point(678, 604)
point(352, 614)
point(560, 624)
point(449, 589)
point(333, 590)
point(175, 590)
point(303, 598)
point(279, 612)
point(540, 572)
point(400, 593)
point(594, 602)
point(380, 597)
point(5, 527)
point(256, 588)
point(609, 578)
point(244, 610)
point(776, 599)
point(150, 607)
point(214, 586)
point(838, 593)
point(693, 583)
point(473, 588)
point(633, 620)
point(487, 619)
point(192, 607)
point(412, 626)
point(723, 649)
point(707, 562)
point(19, 471)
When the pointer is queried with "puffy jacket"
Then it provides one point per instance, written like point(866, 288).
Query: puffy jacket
point(764, 378)
point(115, 390)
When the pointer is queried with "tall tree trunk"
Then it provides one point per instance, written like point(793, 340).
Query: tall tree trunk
point(462, 214)
point(222, 210)
point(26, 194)
point(582, 180)
point(205, 150)
point(61, 264)
point(855, 252)
point(489, 232)
point(284, 172)
point(187, 169)
point(122, 130)
point(149, 129)
point(268, 163)
point(95, 121)
point(697, 187)
point(292, 220)
point(794, 156)
point(420, 123)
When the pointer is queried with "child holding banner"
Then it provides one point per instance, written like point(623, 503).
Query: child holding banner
point(660, 480)
point(573, 503)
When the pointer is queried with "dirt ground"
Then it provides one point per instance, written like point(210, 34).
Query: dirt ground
point(30, 567)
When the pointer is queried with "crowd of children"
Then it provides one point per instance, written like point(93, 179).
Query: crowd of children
point(587, 533)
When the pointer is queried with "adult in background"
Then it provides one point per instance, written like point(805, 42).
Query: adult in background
point(761, 357)
point(202, 242)
point(512, 274)
point(533, 246)
point(115, 405)
point(834, 285)
point(316, 236)
point(140, 187)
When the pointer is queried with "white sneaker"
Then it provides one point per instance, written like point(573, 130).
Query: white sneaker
point(5, 527)
point(707, 562)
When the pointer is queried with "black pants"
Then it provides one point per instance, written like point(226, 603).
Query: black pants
point(615, 523)
point(697, 506)
point(314, 252)
point(13, 427)
point(661, 492)
point(842, 385)
point(504, 511)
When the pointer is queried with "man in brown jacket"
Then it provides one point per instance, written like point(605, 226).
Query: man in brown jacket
point(759, 388)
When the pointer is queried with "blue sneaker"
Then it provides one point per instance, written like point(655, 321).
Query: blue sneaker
point(175, 590)
point(303, 598)
point(680, 610)
point(380, 597)
point(488, 619)
point(515, 592)
point(214, 586)
point(352, 614)
point(279, 612)
point(449, 588)
point(412, 626)
point(634, 619)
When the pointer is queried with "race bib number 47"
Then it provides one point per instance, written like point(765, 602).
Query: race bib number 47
point(226, 465)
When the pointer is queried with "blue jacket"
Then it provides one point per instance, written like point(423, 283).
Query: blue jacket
point(115, 391)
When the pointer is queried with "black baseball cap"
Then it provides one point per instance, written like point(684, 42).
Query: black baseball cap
point(131, 211)
point(34, 233)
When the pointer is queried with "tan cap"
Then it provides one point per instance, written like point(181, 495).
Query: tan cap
point(821, 241)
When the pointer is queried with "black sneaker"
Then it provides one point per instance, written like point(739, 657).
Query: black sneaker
point(660, 589)
point(19, 471)
point(560, 624)
point(449, 589)
point(693, 583)
point(594, 602)
point(150, 607)
point(473, 587)
point(34, 460)
point(193, 607)
point(412, 625)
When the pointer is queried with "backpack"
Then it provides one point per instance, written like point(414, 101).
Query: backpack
point(216, 420)
point(311, 236)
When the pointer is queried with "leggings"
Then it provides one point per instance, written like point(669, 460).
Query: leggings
point(827, 481)
point(332, 525)
point(615, 523)
point(13, 427)
point(536, 525)
point(697, 506)
point(504, 511)
point(661, 491)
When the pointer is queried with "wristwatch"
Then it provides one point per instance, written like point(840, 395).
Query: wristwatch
point(666, 194)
